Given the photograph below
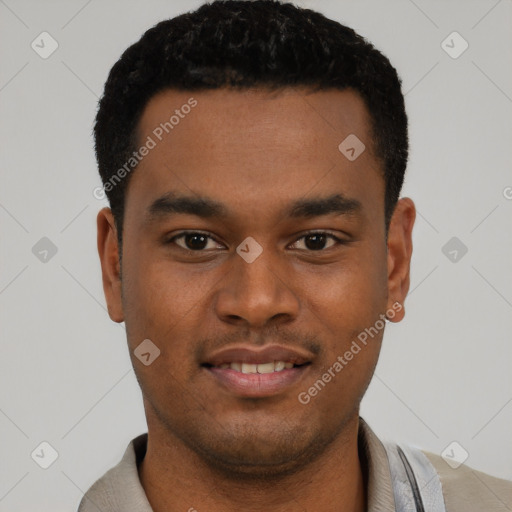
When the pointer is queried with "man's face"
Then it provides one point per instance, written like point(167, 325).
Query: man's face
point(323, 275)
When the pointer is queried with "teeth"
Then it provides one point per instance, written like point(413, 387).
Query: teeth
point(249, 368)
point(279, 365)
point(266, 367)
point(271, 366)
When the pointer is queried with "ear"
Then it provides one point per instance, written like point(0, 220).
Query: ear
point(399, 256)
point(108, 251)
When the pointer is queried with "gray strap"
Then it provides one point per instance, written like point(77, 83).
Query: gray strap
point(416, 484)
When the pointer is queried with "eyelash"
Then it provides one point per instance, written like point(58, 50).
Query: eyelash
point(183, 234)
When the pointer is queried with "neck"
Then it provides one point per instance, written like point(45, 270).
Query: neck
point(176, 479)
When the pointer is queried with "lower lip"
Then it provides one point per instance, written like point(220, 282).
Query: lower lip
point(258, 384)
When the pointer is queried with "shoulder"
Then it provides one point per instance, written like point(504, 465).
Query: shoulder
point(119, 489)
point(100, 494)
point(466, 489)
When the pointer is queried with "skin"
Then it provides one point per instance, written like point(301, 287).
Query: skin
point(256, 152)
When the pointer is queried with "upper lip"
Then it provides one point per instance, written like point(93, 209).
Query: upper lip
point(251, 355)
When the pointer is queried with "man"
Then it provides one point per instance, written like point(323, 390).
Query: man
point(253, 155)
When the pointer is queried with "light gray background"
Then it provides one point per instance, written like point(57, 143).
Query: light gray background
point(65, 374)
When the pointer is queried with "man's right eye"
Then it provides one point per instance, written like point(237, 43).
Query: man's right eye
point(195, 241)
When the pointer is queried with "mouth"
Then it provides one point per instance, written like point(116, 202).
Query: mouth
point(245, 372)
point(260, 368)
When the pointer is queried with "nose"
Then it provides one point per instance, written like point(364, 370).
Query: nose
point(257, 293)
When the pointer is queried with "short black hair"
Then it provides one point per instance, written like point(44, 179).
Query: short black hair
point(244, 44)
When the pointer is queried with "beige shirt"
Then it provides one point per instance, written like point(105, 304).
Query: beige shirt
point(464, 489)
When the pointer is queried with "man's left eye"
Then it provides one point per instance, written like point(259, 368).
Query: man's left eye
point(317, 241)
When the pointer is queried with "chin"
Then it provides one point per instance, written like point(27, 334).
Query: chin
point(259, 455)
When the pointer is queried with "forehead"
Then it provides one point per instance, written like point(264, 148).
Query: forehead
point(254, 148)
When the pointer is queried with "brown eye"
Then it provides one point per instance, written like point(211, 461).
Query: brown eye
point(317, 241)
point(194, 241)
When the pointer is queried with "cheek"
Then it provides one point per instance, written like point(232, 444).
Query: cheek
point(353, 293)
point(348, 305)
point(158, 289)
point(160, 305)
point(348, 313)
point(156, 298)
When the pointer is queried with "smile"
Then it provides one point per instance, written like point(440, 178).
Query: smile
point(270, 367)
point(249, 371)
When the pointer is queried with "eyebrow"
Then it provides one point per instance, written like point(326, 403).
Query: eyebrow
point(171, 204)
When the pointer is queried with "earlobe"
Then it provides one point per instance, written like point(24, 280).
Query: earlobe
point(399, 256)
point(108, 251)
